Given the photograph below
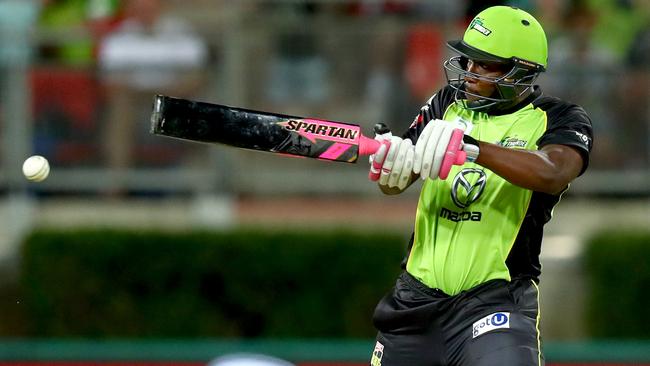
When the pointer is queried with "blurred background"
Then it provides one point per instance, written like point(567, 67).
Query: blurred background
point(143, 248)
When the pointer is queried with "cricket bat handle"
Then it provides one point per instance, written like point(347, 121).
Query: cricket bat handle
point(454, 155)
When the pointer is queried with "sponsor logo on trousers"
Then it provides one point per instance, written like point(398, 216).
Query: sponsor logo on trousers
point(377, 354)
point(491, 322)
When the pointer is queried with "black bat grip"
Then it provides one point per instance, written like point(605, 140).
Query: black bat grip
point(381, 128)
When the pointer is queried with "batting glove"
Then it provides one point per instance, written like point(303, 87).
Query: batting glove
point(392, 164)
point(433, 145)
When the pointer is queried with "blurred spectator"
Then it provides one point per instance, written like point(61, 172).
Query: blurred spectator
point(634, 98)
point(583, 72)
point(71, 28)
point(151, 52)
point(638, 57)
point(473, 7)
point(248, 359)
point(378, 8)
point(382, 83)
point(17, 18)
point(425, 47)
point(298, 73)
point(403, 68)
point(65, 90)
point(618, 22)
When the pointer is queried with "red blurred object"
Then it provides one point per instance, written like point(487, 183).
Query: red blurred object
point(423, 56)
point(75, 92)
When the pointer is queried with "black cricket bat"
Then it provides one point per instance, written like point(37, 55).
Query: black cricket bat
point(256, 130)
point(262, 131)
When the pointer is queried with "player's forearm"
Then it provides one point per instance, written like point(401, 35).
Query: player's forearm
point(532, 170)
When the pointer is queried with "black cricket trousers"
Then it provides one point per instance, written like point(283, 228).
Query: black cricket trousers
point(495, 323)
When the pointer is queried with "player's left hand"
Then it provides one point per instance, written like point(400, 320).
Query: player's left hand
point(431, 147)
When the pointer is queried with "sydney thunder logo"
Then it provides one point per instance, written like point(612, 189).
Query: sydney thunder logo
point(477, 24)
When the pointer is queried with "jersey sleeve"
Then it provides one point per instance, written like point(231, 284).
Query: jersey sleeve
point(569, 124)
point(434, 108)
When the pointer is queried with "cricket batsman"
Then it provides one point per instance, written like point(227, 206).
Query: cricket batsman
point(469, 295)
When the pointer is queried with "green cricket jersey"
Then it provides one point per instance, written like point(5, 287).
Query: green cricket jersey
point(475, 226)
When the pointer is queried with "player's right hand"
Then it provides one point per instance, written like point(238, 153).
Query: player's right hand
point(395, 161)
point(376, 160)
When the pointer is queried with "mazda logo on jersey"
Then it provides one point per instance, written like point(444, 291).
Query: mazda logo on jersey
point(463, 191)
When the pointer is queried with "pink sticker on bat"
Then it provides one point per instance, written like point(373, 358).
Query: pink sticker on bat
point(334, 151)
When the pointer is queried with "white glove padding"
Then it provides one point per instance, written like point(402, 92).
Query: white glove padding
point(396, 162)
point(431, 147)
point(397, 168)
point(380, 138)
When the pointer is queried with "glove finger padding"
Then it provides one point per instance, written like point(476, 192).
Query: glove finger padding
point(391, 155)
point(399, 166)
point(439, 153)
point(376, 161)
point(380, 138)
point(407, 171)
point(430, 147)
point(420, 145)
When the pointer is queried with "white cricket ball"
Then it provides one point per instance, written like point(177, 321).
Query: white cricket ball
point(36, 168)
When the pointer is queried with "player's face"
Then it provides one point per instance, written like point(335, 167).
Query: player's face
point(480, 86)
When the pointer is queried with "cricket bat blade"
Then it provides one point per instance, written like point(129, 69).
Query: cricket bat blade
point(256, 130)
